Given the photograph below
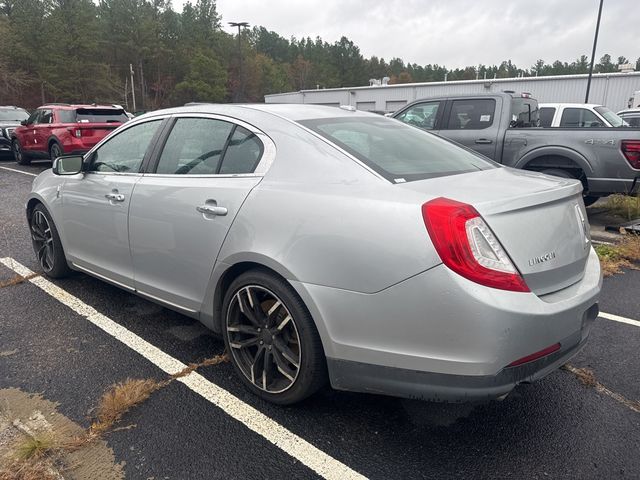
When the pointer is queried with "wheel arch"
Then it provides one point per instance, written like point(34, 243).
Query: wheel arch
point(54, 139)
point(554, 157)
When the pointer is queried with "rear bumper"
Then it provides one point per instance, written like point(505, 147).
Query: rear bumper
point(438, 387)
point(606, 186)
point(439, 336)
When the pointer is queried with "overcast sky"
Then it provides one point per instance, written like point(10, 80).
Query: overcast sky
point(455, 33)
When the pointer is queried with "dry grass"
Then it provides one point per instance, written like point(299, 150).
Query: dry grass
point(119, 399)
point(29, 470)
point(615, 258)
point(18, 279)
point(624, 206)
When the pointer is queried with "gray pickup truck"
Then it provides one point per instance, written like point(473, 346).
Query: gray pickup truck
point(504, 127)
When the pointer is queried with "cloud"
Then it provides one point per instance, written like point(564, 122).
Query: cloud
point(454, 33)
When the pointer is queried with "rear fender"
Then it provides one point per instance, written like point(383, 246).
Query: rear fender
point(530, 158)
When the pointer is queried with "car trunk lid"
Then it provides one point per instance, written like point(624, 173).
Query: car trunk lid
point(540, 221)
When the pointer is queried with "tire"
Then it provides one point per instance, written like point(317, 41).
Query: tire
point(285, 338)
point(18, 153)
point(55, 151)
point(46, 244)
point(590, 200)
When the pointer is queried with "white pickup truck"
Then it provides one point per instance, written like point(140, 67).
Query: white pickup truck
point(572, 115)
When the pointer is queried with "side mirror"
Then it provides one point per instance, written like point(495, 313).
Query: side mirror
point(24, 122)
point(69, 165)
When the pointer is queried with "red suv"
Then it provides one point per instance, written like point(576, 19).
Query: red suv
point(61, 129)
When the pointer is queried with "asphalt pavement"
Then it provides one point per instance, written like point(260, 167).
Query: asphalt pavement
point(555, 428)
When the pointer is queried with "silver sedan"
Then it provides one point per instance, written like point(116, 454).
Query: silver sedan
point(328, 244)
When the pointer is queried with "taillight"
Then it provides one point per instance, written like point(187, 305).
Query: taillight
point(76, 132)
point(631, 151)
point(467, 245)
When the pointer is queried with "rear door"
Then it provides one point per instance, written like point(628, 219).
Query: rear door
point(474, 123)
point(95, 204)
point(42, 131)
point(181, 211)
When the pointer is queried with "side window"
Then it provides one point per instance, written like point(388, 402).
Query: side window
point(546, 116)
point(46, 116)
point(633, 121)
point(125, 151)
point(33, 118)
point(579, 118)
point(243, 153)
point(471, 114)
point(66, 116)
point(422, 115)
point(194, 147)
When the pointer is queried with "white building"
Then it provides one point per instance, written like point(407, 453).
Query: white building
point(610, 89)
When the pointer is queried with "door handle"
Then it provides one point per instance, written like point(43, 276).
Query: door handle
point(484, 141)
point(212, 210)
point(115, 197)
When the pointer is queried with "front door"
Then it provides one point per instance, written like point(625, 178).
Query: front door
point(28, 133)
point(95, 204)
point(181, 213)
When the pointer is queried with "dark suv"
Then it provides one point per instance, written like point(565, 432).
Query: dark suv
point(61, 129)
point(10, 118)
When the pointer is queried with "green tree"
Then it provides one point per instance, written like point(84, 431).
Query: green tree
point(205, 82)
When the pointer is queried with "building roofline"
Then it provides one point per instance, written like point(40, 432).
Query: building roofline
point(460, 82)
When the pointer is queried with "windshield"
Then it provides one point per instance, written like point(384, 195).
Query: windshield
point(398, 152)
point(613, 119)
point(101, 115)
point(13, 114)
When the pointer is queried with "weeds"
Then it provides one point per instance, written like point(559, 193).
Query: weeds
point(624, 206)
point(29, 470)
point(614, 258)
point(36, 447)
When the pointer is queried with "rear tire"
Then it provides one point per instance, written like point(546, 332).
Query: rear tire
point(271, 338)
point(55, 151)
point(47, 245)
point(18, 153)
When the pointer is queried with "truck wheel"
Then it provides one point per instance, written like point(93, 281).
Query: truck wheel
point(21, 157)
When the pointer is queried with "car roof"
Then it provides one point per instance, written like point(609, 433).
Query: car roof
point(629, 110)
point(68, 106)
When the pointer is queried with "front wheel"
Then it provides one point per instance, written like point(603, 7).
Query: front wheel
point(18, 153)
point(46, 244)
point(273, 343)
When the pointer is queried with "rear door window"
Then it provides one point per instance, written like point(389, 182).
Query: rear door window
point(397, 151)
point(195, 147)
point(471, 114)
point(423, 115)
point(579, 118)
point(546, 116)
point(66, 116)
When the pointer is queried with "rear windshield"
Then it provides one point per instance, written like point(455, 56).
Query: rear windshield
point(101, 115)
point(398, 152)
point(524, 113)
point(613, 119)
point(13, 114)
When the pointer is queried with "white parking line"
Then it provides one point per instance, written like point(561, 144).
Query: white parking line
point(617, 318)
point(18, 171)
point(317, 460)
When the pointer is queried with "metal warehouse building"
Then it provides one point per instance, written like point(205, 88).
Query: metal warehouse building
point(610, 89)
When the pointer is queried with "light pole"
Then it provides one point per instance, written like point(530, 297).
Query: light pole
point(240, 92)
point(593, 53)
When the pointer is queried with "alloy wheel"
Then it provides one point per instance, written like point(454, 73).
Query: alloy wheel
point(17, 151)
point(264, 339)
point(55, 151)
point(42, 240)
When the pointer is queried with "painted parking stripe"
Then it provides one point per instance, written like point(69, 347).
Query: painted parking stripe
point(19, 171)
point(617, 318)
point(314, 458)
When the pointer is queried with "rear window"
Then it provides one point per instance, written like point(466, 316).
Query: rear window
point(546, 116)
point(524, 113)
point(396, 151)
point(101, 115)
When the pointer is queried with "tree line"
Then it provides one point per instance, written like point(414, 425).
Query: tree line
point(82, 51)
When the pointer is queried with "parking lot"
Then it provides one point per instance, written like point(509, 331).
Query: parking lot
point(70, 340)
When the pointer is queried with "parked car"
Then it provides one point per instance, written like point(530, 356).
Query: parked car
point(631, 116)
point(578, 115)
point(321, 242)
point(10, 118)
point(504, 127)
point(60, 129)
